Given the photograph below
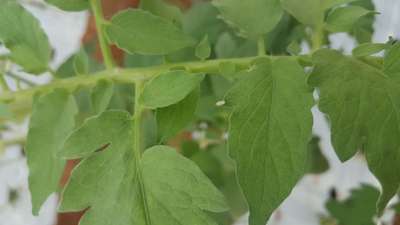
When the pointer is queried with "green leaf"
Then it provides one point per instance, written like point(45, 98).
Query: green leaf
point(229, 46)
point(70, 5)
point(342, 19)
point(81, 62)
point(327, 4)
point(22, 35)
point(201, 19)
point(5, 113)
point(210, 166)
point(203, 49)
point(66, 69)
point(161, 187)
point(391, 61)
point(360, 101)
point(252, 18)
point(138, 31)
point(270, 127)
point(363, 29)
point(318, 163)
point(51, 122)
point(294, 48)
point(226, 46)
point(169, 88)
point(123, 97)
point(308, 12)
point(101, 95)
point(368, 49)
point(358, 209)
point(172, 119)
point(189, 148)
point(163, 9)
point(207, 109)
point(288, 31)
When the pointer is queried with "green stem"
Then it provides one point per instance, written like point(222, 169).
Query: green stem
point(261, 46)
point(104, 45)
point(317, 38)
point(21, 101)
point(137, 149)
point(124, 76)
point(138, 111)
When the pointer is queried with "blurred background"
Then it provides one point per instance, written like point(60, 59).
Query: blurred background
point(305, 206)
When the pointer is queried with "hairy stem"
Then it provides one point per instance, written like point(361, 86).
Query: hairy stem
point(104, 45)
point(124, 76)
point(20, 101)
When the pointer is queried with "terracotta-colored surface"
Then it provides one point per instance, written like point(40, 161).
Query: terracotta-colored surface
point(68, 218)
point(397, 220)
point(67, 171)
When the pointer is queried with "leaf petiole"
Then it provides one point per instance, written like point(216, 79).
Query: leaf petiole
point(100, 21)
point(137, 137)
point(261, 46)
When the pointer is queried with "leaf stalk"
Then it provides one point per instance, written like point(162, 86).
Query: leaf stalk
point(137, 149)
point(261, 46)
point(104, 45)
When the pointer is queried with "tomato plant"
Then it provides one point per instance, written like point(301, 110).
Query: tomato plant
point(234, 72)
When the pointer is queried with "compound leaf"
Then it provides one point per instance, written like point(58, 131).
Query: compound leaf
point(361, 103)
point(21, 33)
point(252, 18)
point(270, 127)
point(169, 88)
point(51, 122)
point(160, 188)
point(138, 31)
point(70, 5)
